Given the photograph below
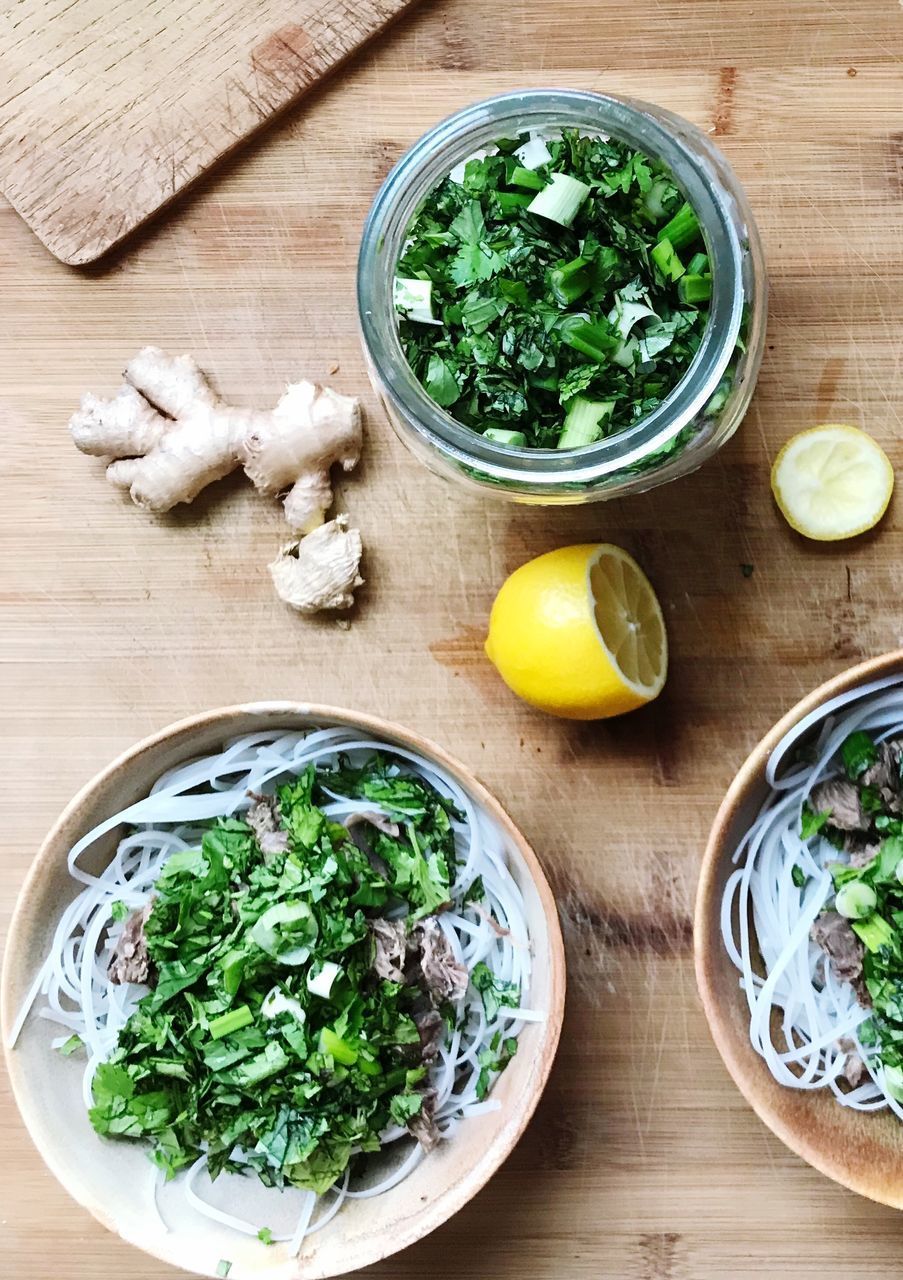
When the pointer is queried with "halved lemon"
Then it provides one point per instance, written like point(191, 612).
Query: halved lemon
point(579, 633)
point(832, 482)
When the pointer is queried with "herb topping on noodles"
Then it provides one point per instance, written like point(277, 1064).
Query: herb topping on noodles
point(331, 956)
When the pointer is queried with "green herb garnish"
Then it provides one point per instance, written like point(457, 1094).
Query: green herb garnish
point(552, 305)
point(268, 1028)
point(858, 753)
point(811, 823)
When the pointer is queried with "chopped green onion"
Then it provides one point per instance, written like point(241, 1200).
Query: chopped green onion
point(693, 289)
point(560, 201)
point(584, 422)
point(570, 281)
point(683, 228)
point(508, 201)
point(874, 932)
point(302, 927)
point(856, 900)
point(666, 260)
point(233, 967)
point(893, 1082)
point(522, 177)
point(234, 1020)
point(593, 340)
point(321, 983)
point(515, 439)
point(719, 396)
point(223, 1267)
point(337, 1048)
point(414, 299)
point(698, 265)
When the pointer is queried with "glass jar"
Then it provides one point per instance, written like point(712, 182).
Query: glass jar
point(702, 411)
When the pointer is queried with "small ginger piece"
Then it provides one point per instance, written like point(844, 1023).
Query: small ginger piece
point(169, 435)
point(320, 571)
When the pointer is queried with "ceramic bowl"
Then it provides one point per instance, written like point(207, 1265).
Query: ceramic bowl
point(105, 1177)
point(860, 1150)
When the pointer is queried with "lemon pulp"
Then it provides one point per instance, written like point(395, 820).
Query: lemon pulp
point(579, 633)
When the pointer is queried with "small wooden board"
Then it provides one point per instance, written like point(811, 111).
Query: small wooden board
point(108, 109)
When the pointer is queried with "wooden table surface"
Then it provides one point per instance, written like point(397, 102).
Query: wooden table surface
point(643, 1161)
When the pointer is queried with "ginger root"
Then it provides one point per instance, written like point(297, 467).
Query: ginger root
point(320, 571)
point(169, 435)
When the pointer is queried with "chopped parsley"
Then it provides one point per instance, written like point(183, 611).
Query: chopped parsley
point(556, 293)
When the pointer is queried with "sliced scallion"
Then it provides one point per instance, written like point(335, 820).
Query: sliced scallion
point(560, 201)
point(693, 289)
point(683, 228)
point(667, 261)
point(515, 439)
point(584, 422)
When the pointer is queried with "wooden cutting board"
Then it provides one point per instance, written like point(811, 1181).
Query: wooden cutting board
point(109, 109)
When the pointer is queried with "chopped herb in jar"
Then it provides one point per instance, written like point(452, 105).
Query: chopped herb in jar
point(553, 292)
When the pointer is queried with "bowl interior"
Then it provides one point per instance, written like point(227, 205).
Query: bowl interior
point(862, 1151)
point(114, 1179)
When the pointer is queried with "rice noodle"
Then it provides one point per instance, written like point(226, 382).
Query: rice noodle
point(79, 996)
point(802, 1046)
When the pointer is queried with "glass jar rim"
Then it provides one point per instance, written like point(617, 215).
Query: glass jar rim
point(456, 138)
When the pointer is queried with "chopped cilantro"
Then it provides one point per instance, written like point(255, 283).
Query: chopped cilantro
point(798, 876)
point(495, 993)
point(265, 1235)
point(858, 753)
point(811, 823)
point(476, 892)
point(548, 282)
point(493, 1060)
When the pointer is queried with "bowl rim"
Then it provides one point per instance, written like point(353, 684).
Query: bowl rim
point(708, 947)
point(436, 1212)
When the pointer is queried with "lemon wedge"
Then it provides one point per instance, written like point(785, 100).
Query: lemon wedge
point(579, 633)
point(832, 482)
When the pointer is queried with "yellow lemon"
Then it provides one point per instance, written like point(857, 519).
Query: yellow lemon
point(832, 482)
point(579, 633)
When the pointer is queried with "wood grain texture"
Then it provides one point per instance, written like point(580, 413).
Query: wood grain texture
point(109, 109)
point(643, 1162)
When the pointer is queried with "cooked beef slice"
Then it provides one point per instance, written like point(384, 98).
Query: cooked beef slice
point(130, 961)
point(431, 1027)
point(833, 934)
point(855, 1072)
point(263, 819)
point(445, 977)
point(378, 820)
point(861, 851)
point(423, 1125)
point(390, 946)
point(840, 799)
point(884, 776)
